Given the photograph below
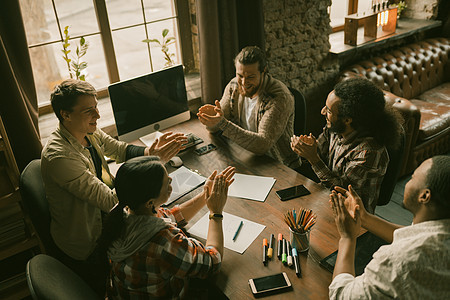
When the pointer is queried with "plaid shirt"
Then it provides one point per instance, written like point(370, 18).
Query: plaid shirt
point(161, 269)
point(359, 161)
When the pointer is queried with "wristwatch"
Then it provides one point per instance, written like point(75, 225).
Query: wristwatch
point(216, 216)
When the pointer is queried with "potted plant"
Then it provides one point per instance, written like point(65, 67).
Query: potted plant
point(164, 44)
point(401, 6)
point(75, 66)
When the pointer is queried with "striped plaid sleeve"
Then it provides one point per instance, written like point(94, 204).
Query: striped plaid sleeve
point(174, 214)
point(185, 257)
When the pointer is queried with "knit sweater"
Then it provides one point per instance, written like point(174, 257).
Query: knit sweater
point(274, 120)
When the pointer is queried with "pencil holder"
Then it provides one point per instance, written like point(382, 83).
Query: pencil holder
point(299, 241)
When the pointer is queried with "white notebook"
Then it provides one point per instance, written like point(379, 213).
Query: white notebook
point(183, 181)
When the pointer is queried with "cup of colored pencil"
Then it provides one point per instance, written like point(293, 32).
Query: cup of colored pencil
point(300, 223)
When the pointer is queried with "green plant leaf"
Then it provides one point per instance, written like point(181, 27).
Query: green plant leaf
point(77, 51)
point(82, 41)
point(82, 77)
point(154, 41)
point(83, 65)
point(170, 40)
point(165, 32)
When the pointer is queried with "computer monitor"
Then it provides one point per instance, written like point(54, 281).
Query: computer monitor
point(149, 103)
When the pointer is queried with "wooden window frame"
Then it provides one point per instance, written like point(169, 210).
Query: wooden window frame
point(351, 9)
point(182, 16)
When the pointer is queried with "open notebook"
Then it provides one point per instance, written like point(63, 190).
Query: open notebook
point(183, 181)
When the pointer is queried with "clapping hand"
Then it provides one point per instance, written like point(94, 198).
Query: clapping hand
point(353, 201)
point(210, 115)
point(167, 145)
point(216, 189)
point(305, 146)
point(347, 225)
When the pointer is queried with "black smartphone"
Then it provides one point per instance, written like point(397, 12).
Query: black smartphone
point(271, 283)
point(292, 192)
point(205, 149)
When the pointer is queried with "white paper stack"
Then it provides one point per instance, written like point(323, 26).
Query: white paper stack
point(247, 234)
point(251, 187)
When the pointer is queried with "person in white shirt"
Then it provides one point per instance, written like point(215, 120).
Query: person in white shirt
point(256, 110)
point(416, 265)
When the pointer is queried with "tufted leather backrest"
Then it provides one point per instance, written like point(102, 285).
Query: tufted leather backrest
point(407, 71)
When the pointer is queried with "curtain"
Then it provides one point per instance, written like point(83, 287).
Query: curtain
point(225, 27)
point(18, 101)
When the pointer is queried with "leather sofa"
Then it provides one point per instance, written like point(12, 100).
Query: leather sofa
point(416, 80)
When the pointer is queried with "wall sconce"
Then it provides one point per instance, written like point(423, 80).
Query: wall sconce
point(376, 25)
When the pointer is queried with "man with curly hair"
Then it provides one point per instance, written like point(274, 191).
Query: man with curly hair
point(352, 148)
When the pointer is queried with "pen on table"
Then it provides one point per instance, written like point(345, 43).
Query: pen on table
point(270, 250)
point(264, 251)
point(238, 230)
point(298, 271)
point(289, 254)
point(280, 240)
point(284, 254)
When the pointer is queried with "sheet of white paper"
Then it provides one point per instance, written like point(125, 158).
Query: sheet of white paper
point(183, 181)
point(248, 233)
point(251, 187)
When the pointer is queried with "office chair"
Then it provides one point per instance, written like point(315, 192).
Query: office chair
point(392, 172)
point(35, 203)
point(49, 278)
point(300, 112)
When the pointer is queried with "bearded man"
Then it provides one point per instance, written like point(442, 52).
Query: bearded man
point(352, 147)
point(256, 110)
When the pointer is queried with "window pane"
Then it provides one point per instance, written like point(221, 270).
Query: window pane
point(39, 21)
point(131, 52)
point(339, 9)
point(49, 68)
point(97, 73)
point(79, 15)
point(124, 13)
point(365, 7)
point(155, 32)
point(158, 9)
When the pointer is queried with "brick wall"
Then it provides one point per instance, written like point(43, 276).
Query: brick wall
point(421, 9)
point(296, 33)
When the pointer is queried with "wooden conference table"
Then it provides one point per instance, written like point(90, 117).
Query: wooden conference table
point(237, 268)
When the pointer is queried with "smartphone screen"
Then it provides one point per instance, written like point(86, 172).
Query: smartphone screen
point(269, 283)
point(292, 192)
point(205, 149)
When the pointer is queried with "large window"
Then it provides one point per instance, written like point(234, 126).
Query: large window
point(339, 9)
point(114, 30)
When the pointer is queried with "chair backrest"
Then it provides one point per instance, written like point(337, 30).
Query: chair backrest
point(48, 278)
point(300, 112)
point(392, 172)
point(35, 202)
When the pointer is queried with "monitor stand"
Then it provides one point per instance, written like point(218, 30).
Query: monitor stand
point(150, 138)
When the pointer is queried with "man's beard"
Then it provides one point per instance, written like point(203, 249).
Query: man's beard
point(337, 127)
point(250, 93)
